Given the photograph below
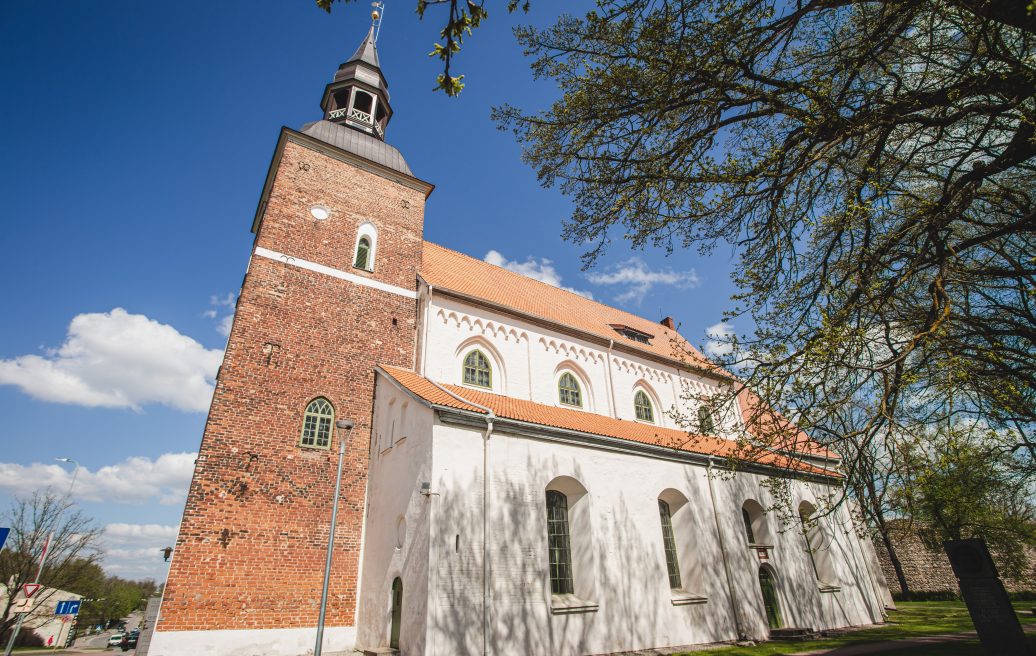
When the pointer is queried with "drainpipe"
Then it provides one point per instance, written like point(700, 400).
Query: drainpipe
point(424, 337)
point(490, 418)
point(723, 553)
point(611, 380)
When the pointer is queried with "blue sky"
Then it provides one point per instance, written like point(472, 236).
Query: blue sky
point(137, 137)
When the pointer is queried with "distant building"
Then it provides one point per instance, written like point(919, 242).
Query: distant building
point(515, 484)
point(53, 630)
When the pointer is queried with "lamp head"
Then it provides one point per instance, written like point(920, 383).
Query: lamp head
point(347, 424)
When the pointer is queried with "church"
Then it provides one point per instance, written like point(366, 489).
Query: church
point(514, 479)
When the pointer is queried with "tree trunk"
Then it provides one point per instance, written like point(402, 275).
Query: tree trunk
point(896, 565)
point(886, 539)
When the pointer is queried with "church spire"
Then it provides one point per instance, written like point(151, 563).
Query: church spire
point(358, 96)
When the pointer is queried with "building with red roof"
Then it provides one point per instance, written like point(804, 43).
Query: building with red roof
point(516, 477)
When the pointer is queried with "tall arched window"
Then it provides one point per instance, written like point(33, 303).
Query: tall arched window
point(568, 390)
point(477, 370)
point(363, 253)
point(747, 519)
point(316, 424)
point(757, 531)
point(818, 544)
point(642, 407)
point(706, 426)
point(672, 562)
point(559, 546)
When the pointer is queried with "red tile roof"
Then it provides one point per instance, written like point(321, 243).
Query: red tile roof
point(447, 269)
point(584, 422)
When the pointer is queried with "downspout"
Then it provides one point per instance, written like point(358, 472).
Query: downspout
point(424, 337)
point(490, 418)
point(611, 379)
point(723, 553)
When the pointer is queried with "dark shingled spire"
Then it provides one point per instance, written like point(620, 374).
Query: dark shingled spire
point(358, 96)
point(367, 52)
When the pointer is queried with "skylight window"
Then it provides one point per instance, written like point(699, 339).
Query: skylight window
point(632, 333)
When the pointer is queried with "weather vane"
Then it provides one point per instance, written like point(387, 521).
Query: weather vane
point(376, 15)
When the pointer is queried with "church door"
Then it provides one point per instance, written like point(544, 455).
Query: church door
point(397, 612)
point(769, 590)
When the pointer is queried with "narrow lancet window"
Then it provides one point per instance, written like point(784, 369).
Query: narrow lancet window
point(568, 390)
point(706, 425)
point(363, 253)
point(642, 406)
point(477, 370)
point(671, 562)
point(559, 547)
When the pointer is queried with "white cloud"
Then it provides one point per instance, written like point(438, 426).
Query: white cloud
point(139, 532)
point(135, 550)
point(219, 305)
point(720, 336)
point(134, 480)
point(638, 279)
point(540, 269)
point(224, 325)
point(119, 360)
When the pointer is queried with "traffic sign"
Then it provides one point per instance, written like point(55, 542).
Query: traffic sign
point(3, 535)
point(31, 588)
point(68, 607)
point(21, 605)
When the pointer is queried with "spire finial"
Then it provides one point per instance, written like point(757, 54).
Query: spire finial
point(376, 15)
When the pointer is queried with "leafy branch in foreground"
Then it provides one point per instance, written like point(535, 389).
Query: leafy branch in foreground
point(462, 19)
point(871, 163)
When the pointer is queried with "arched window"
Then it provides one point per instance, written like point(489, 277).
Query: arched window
point(642, 407)
point(477, 370)
point(366, 252)
point(397, 612)
point(706, 426)
point(559, 546)
point(316, 424)
point(747, 519)
point(363, 253)
point(672, 562)
point(568, 390)
point(818, 543)
point(756, 530)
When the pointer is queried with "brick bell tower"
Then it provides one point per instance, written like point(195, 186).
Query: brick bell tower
point(330, 291)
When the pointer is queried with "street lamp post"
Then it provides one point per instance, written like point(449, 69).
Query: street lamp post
point(345, 427)
point(75, 472)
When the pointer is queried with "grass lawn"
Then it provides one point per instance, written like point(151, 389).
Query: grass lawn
point(913, 619)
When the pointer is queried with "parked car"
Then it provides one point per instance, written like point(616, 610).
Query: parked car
point(115, 640)
point(129, 641)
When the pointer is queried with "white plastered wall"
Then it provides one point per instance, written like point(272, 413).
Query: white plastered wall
point(527, 360)
point(627, 566)
point(396, 529)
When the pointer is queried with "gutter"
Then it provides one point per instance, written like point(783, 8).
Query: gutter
point(490, 417)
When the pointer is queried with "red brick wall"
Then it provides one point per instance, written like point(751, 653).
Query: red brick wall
point(251, 548)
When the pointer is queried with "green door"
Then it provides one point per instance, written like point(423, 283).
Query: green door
point(769, 590)
point(397, 612)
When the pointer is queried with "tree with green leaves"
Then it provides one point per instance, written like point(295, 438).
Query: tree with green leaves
point(871, 163)
point(462, 18)
point(960, 483)
point(72, 552)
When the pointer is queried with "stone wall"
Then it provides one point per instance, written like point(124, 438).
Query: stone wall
point(928, 570)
